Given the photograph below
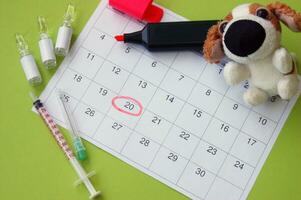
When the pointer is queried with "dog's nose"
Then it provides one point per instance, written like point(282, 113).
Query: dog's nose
point(244, 37)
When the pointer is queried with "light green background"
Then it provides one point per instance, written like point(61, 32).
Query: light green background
point(32, 166)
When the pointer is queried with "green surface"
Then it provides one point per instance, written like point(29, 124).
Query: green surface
point(32, 166)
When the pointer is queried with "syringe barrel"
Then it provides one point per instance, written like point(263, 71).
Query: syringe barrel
point(60, 139)
point(84, 178)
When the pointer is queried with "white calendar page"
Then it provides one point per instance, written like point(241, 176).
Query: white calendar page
point(170, 115)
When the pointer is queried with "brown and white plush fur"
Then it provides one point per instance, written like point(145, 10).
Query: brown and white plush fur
point(270, 68)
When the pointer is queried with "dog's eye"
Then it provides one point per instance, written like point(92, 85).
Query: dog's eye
point(263, 13)
point(222, 27)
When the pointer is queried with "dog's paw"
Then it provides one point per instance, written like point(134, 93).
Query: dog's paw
point(255, 96)
point(288, 86)
point(235, 73)
point(283, 60)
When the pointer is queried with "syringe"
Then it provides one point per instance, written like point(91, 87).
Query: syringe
point(60, 139)
point(80, 150)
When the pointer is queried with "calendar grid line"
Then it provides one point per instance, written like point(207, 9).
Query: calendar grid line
point(159, 174)
point(66, 66)
point(229, 154)
point(105, 59)
point(199, 138)
point(112, 37)
point(177, 116)
point(102, 144)
point(167, 121)
point(106, 114)
point(198, 166)
point(80, 101)
point(286, 106)
point(157, 88)
point(62, 74)
point(223, 162)
point(172, 150)
point(159, 115)
point(199, 82)
point(186, 102)
point(71, 59)
point(133, 130)
point(131, 74)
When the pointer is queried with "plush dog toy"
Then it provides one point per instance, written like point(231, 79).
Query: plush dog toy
point(250, 37)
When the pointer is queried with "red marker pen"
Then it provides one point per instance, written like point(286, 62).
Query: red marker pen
point(186, 35)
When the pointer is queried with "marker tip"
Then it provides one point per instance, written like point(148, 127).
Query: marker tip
point(119, 38)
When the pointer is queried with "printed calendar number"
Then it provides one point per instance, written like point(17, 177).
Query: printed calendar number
point(262, 121)
point(102, 36)
point(154, 64)
point(103, 91)
point(116, 126)
point(239, 165)
point(247, 149)
point(142, 84)
point(181, 77)
point(197, 113)
point(220, 70)
point(127, 50)
point(235, 106)
point(144, 141)
point(90, 56)
point(66, 98)
point(129, 105)
point(116, 70)
point(225, 128)
point(184, 135)
point(173, 157)
point(246, 85)
point(77, 78)
point(170, 98)
point(208, 92)
point(156, 120)
point(251, 141)
point(90, 112)
point(200, 172)
point(212, 150)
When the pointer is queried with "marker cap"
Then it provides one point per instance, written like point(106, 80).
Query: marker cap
point(140, 9)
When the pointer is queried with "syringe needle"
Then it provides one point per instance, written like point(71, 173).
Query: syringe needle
point(78, 145)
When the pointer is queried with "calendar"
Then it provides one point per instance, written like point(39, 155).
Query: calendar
point(168, 114)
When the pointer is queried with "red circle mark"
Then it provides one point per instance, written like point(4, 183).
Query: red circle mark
point(124, 111)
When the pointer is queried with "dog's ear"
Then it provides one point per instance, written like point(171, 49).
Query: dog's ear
point(287, 15)
point(213, 50)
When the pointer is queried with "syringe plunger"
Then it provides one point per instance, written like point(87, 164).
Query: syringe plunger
point(84, 178)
